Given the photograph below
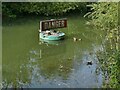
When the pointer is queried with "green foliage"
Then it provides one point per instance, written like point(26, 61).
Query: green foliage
point(43, 8)
point(11, 9)
point(104, 16)
point(0, 7)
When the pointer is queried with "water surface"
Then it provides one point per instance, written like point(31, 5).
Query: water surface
point(29, 62)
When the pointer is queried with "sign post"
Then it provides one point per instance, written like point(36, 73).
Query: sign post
point(47, 27)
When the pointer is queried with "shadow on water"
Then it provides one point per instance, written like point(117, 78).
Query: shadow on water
point(28, 62)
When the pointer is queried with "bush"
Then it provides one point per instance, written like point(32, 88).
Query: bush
point(104, 16)
point(12, 9)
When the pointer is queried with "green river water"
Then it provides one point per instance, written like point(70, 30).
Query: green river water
point(29, 63)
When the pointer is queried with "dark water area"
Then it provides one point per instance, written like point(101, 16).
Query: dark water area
point(28, 62)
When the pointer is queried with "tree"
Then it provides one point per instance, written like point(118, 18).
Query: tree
point(12, 9)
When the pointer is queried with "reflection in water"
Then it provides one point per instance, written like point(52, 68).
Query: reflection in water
point(65, 69)
point(28, 62)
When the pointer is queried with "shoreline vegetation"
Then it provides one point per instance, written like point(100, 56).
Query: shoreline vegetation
point(103, 15)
